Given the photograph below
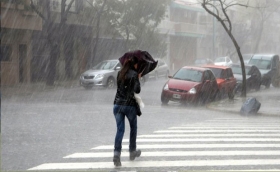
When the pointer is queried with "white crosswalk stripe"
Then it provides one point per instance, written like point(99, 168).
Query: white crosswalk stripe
point(227, 143)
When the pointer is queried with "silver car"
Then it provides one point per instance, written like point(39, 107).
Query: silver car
point(103, 74)
point(161, 70)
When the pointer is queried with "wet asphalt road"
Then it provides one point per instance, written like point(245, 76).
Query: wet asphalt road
point(43, 127)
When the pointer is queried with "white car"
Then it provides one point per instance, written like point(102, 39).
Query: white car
point(161, 70)
point(223, 61)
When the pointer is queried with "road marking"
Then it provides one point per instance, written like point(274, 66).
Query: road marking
point(237, 134)
point(228, 127)
point(212, 131)
point(176, 153)
point(210, 135)
point(158, 164)
point(192, 146)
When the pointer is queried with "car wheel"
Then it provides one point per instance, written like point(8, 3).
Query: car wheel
point(276, 81)
point(203, 98)
point(258, 87)
point(221, 94)
point(164, 100)
point(110, 83)
point(213, 95)
point(231, 94)
point(267, 85)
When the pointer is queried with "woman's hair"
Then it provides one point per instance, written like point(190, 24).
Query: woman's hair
point(129, 64)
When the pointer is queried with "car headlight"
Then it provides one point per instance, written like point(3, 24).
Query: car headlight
point(99, 76)
point(166, 87)
point(192, 91)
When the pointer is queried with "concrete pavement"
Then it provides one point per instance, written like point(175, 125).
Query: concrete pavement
point(269, 99)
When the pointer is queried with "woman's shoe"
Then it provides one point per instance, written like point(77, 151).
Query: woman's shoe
point(134, 154)
point(117, 161)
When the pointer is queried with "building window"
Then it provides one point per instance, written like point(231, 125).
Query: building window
point(6, 52)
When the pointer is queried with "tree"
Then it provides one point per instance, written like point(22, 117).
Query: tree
point(219, 9)
point(137, 21)
point(241, 31)
point(53, 33)
point(264, 8)
point(97, 10)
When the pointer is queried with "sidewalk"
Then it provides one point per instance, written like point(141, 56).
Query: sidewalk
point(30, 88)
point(269, 99)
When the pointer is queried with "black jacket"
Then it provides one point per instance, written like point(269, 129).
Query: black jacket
point(126, 89)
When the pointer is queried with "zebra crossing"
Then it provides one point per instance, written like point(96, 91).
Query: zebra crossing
point(219, 144)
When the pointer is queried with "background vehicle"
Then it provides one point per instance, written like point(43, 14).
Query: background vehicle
point(268, 64)
point(161, 70)
point(225, 79)
point(190, 84)
point(223, 61)
point(103, 74)
point(203, 61)
point(246, 58)
point(253, 77)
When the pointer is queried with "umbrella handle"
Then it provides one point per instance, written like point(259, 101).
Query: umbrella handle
point(143, 70)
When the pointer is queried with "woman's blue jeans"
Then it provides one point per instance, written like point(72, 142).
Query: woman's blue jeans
point(120, 112)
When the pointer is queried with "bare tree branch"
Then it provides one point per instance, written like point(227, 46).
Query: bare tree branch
point(69, 6)
point(37, 11)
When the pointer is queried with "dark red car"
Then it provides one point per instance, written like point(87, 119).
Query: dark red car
point(190, 85)
point(225, 80)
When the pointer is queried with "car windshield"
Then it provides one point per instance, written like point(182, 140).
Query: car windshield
point(188, 75)
point(220, 59)
point(105, 65)
point(217, 72)
point(237, 69)
point(261, 64)
point(247, 56)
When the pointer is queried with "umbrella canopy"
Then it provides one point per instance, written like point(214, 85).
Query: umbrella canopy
point(146, 63)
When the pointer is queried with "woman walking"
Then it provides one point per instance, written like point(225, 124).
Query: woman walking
point(125, 105)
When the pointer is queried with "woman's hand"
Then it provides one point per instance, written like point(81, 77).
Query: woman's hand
point(139, 75)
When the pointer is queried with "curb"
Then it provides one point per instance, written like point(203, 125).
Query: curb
point(212, 105)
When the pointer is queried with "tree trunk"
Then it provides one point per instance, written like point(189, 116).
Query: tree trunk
point(68, 57)
point(228, 30)
point(97, 32)
point(243, 93)
point(52, 44)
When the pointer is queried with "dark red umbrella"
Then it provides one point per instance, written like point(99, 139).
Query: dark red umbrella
point(146, 63)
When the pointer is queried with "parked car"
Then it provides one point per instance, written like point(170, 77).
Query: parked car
point(103, 74)
point(253, 77)
point(190, 85)
point(203, 61)
point(223, 61)
point(268, 65)
point(246, 58)
point(225, 79)
point(161, 70)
